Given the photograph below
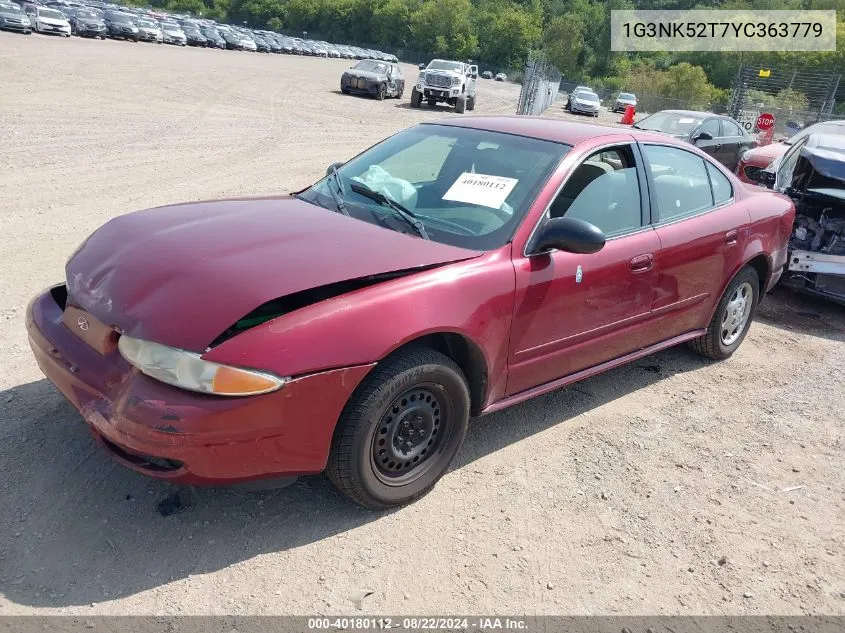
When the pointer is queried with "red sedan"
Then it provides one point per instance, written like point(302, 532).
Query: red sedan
point(354, 327)
point(759, 158)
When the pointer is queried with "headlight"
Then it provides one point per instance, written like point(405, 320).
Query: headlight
point(456, 81)
point(187, 370)
point(746, 156)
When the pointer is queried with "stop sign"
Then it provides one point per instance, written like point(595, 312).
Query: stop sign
point(765, 122)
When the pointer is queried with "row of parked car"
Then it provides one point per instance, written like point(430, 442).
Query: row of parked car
point(95, 18)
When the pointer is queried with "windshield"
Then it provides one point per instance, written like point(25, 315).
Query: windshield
point(169, 26)
point(51, 13)
point(371, 66)
point(439, 64)
point(210, 33)
point(469, 188)
point(8, 8)
point(146, 24)
point(670, 122)
point(627, 96)
point(122, 18)
point(87, 15)
point(587, 96)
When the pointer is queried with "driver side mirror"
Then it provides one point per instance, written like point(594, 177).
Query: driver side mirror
point(567, 234)
point(332, 167)
point(702, 136)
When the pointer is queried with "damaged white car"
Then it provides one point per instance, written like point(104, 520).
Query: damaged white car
point(812, 173)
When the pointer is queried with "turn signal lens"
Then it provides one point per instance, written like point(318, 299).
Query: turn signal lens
point(187, 370)
point(231, 380)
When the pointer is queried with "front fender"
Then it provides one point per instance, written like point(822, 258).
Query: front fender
point(473, 298)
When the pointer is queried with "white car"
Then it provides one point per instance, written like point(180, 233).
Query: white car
point(501, 77)
point(149, 31)
point(172, 33)
point(248, 43)
point(50, 21)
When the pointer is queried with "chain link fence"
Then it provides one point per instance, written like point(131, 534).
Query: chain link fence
point(795, 97)
point(540, 85)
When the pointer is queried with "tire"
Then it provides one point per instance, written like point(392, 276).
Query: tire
point(416, 97)
point(742, 294)
point(344, 90)
point(470, 103)
point(460, 104)
point(418, 386)
point(382, 92)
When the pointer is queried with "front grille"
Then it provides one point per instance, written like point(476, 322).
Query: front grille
point(438, 79)
point(362, 83)
point(751, 171)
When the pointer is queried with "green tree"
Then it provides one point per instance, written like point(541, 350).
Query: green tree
point(446, 27)
point(564, 41)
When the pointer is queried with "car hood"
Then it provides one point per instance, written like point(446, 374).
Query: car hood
point(763, 156)
point(180, 275)
point(53, 21)
point(363, 74)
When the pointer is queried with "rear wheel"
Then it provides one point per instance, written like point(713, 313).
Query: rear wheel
point(400, 430)
point(732, 318)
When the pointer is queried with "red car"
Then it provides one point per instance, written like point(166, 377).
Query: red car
point(354, 327)
point(754, 160)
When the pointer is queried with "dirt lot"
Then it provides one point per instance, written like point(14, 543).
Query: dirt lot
point(671, 486)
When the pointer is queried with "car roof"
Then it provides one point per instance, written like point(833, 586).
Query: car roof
point(549, 130)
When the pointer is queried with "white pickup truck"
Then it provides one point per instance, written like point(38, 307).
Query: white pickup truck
point(445, 81)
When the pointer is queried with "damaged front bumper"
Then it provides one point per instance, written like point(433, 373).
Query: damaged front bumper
point(187, 437)
point(817, 247)
point(818, 273)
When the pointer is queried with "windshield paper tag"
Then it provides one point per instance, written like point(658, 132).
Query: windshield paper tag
point(480, 189)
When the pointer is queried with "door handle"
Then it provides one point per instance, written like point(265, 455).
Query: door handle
point(731, 237)
point(718, 146)
point(642, 263)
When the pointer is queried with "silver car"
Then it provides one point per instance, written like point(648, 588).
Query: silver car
point(624, 99)
point(585, 102)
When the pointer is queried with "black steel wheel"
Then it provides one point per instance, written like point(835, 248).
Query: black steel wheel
point(409, 433)
point(400, 430)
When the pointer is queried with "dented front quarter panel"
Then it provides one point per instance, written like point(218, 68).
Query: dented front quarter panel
point(473, 298)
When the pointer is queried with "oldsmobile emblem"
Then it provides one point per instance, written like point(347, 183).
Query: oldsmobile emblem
point(82, 322)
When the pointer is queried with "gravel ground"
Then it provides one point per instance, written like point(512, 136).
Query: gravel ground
point(671, 486)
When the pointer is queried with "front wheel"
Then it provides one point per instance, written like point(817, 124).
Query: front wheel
point(382, 92)
point(732, 318)
point(470, 103)
point(416, 98)
point(460, 104)
point(400, 430)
